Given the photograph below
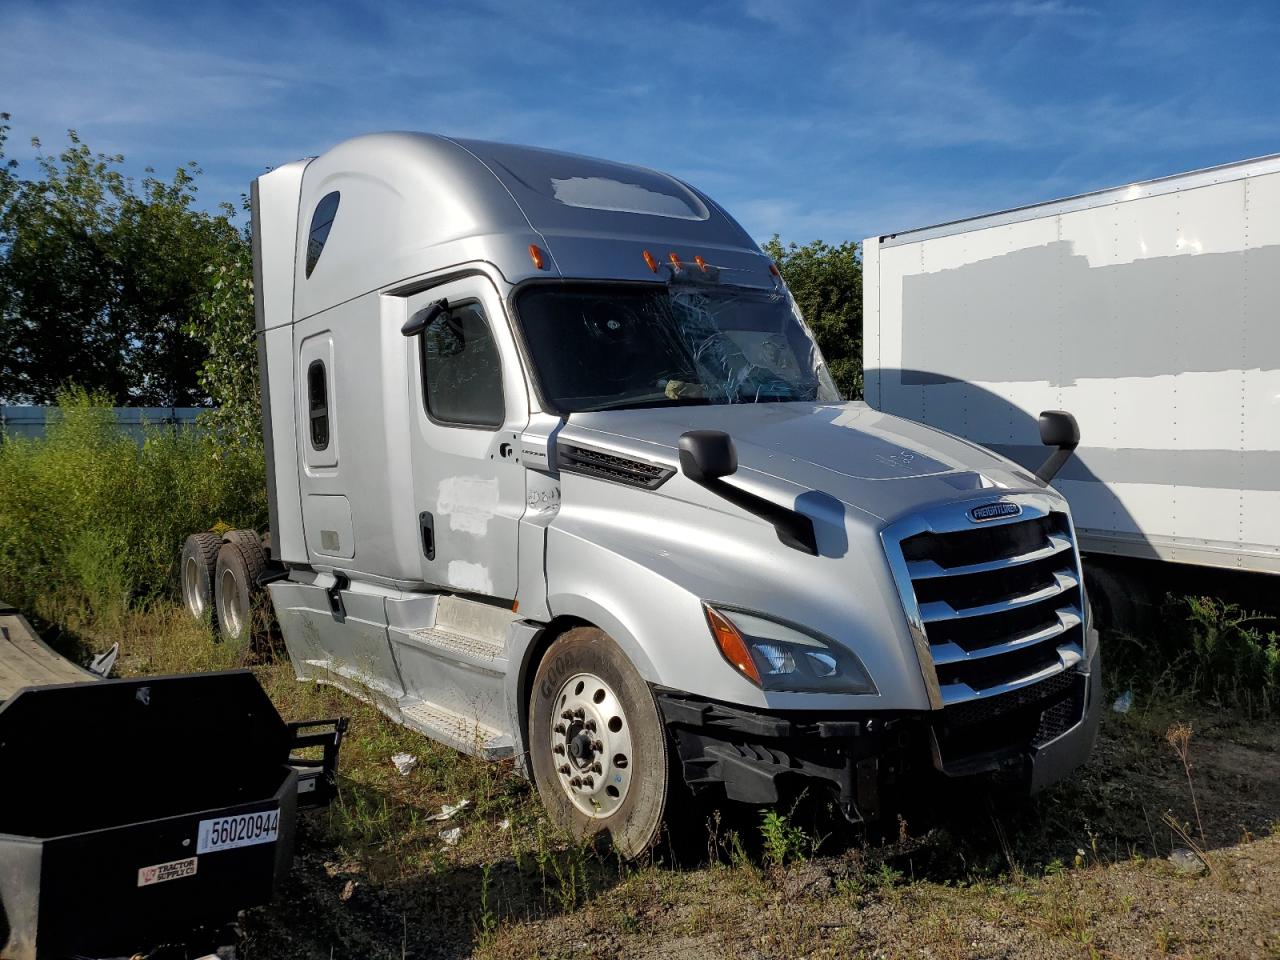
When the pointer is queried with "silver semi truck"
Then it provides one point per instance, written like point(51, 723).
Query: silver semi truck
point(557, 472)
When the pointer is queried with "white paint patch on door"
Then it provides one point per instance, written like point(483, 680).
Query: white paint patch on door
point(472, 577)
point(468, 502)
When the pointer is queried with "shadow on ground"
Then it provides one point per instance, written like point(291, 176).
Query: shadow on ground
point(347, 900)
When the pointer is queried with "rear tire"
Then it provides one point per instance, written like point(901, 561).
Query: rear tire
point(197, 569)
point(613, 771)
point(236, 587)
point(242, 537)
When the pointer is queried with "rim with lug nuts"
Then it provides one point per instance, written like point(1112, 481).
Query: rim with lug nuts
point(591, 743)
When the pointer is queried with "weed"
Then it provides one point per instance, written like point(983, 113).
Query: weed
point(739, 859)
point(888, 876)
point(1211, 648)
point(92, 521)
point(487, 924)
point(1178, 736)
point(852, 885)
point(783, 840)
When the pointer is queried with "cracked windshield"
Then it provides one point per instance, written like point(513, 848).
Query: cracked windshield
point(613, 346)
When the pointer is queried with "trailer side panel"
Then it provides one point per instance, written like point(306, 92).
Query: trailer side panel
point(1149, 313)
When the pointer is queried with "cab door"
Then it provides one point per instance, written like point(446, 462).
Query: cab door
point(468, 403)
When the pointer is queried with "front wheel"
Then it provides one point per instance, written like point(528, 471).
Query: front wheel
point(597, 744)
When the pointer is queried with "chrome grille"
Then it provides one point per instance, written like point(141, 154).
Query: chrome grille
point(995, 607)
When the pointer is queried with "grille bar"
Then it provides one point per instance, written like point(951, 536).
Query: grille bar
point(948, 653)
point(939, 610)
point(928, 569)
point(1068, 657)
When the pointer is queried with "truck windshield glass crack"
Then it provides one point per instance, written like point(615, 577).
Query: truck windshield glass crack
point(610, 346)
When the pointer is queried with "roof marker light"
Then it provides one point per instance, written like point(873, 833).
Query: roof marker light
point(702, 264)
point(675, 261)
point(773, 268)
point(536, 256)
point(653, 264)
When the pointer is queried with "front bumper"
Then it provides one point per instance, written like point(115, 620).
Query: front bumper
point(1027, 739)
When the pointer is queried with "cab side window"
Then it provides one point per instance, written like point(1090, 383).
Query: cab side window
point(321, 224)
point(461, 369)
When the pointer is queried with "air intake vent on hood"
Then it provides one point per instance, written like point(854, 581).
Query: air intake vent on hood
point(610, 466)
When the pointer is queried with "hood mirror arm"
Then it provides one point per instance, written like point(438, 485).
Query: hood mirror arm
point(1057, 429)
point(706, 456)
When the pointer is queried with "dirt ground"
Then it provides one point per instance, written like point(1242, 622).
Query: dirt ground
point(1083, 870)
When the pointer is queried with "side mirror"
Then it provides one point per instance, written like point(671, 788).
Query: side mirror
point(424, 318)
point(1057, 429)
point(707, 455)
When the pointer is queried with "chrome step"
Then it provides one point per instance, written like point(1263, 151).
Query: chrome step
point(945, 654)
point(931, 569)
point(937, 610)
point(456, 730)
point(483, 651)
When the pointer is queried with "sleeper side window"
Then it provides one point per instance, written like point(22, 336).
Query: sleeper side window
point(318, 404)
point(461, 369)
point(321, 224)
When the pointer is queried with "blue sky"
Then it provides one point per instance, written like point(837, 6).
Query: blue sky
point(814, 120)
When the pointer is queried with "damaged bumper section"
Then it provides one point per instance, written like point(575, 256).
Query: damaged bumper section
point(1029, 739)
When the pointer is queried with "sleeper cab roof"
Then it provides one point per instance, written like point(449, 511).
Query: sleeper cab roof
point(414, 203)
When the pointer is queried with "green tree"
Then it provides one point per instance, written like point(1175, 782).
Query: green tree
point(101, 278)
point(225, 324)
point(826, 282)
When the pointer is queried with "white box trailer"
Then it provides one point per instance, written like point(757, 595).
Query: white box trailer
point(1149, 311)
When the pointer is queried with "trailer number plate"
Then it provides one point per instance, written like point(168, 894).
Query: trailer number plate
point(244, 830)
point(174, 870)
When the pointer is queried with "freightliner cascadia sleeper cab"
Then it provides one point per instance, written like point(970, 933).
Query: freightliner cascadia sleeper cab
point(557, 472)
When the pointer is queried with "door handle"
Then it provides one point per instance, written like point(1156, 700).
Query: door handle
point(427, 523)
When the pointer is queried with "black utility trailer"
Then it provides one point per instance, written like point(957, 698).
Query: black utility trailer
point(133, 812)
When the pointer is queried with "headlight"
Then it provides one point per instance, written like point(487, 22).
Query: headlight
point(779, 656)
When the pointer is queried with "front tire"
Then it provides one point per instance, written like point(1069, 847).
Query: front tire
point(597, 744)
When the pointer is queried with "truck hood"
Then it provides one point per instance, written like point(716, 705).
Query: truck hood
point(846, 449)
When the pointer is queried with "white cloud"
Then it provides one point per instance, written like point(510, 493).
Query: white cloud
point(1025, 9)
point(829, 121)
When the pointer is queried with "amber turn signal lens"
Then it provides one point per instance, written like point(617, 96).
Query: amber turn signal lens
point(653, 264)
point(535, 255)
point(732, 647)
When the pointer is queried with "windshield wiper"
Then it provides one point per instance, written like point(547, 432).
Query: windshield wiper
point(642, 403)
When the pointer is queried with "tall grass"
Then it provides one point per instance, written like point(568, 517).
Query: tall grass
point(1206, 647)
point(93, 521)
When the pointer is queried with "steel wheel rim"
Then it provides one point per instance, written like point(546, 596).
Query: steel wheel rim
point(591, 745)
point(191, 587)
point(229, 604)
